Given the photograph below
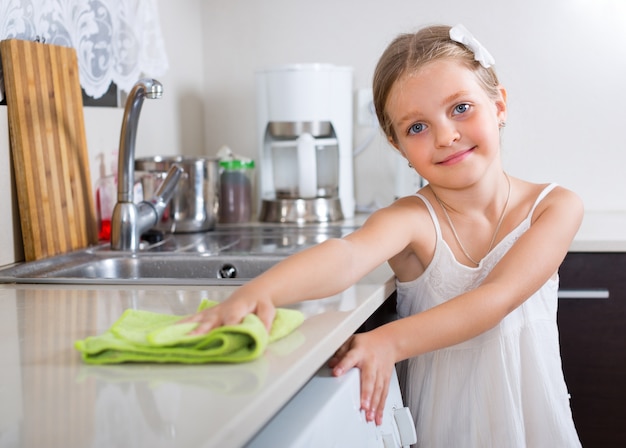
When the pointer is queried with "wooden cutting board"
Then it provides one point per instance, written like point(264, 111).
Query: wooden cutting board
point(49, 147)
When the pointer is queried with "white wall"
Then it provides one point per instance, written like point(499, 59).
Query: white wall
point(562, 61)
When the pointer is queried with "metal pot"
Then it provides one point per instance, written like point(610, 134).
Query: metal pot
point(194, 207)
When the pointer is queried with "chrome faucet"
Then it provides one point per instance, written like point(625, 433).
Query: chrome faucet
point(130, 220)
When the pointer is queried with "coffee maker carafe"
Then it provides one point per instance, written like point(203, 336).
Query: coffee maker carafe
point(305, 143)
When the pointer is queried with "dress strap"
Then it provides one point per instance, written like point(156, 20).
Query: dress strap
point(433, 215)
point(542, 195)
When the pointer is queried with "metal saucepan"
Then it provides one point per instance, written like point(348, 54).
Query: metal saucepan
point(194, 207)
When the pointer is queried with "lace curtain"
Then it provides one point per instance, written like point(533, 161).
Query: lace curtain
point(117, 41)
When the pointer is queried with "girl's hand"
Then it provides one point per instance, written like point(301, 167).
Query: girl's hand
point(375, 359)
point(232, 311)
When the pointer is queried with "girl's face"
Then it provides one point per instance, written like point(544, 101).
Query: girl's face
point(445, 123)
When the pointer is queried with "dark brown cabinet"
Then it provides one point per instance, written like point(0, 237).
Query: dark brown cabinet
point(592, 332)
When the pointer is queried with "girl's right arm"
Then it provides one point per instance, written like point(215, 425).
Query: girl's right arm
point(320, 271)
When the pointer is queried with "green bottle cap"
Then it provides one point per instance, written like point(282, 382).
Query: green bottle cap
point(237, 164)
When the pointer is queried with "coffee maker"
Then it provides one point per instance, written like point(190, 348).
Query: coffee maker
point(305, 143)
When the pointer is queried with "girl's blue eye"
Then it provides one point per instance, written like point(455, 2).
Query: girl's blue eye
point(416, 128)
point(461, 108)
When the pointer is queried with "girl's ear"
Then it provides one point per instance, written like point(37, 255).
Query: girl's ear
point(501, 104)
point(393, 143)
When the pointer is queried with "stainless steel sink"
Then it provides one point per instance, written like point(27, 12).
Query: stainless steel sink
point(225, 256)
point(101, 267)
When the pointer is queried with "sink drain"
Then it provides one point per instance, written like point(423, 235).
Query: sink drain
point(227, 271)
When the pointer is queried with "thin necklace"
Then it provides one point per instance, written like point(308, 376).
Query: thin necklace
point(444, 206)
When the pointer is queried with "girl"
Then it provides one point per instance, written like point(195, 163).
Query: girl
point(475, 253)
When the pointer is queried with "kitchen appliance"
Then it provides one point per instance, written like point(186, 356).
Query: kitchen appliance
point(326, 412)
point(305, 143)
point(194, 207)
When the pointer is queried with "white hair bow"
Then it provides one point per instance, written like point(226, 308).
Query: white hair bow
point(460, 34)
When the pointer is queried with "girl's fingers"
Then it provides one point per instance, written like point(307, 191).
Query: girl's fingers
point(230, 314)
point(192, 318)
point(339, 354)
point(344, 359)
point(233, 316)
point(206, 322)
point(368, 400)
point(266, 312)
point(374, 390)
point(374, 372)
point(383, 390)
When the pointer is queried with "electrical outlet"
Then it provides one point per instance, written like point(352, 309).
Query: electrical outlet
point(366, 116)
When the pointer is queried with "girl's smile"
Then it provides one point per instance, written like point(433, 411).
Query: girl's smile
point(456, 157)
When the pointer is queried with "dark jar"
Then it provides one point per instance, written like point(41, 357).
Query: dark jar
point(235, 191)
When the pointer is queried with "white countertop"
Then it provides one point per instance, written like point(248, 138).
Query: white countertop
point(601, 232)
point(48, 397)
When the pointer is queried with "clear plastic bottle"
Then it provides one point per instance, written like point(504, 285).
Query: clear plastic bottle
point(106, 197)
point(235, 202)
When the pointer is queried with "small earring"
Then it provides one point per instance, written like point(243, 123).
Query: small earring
point(410, 166)
point(502, 124)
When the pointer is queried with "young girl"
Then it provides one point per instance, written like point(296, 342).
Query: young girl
point(475, 252)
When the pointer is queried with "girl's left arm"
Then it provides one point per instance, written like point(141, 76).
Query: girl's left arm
point(530, 262)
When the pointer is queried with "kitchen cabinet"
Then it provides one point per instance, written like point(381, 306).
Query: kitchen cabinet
point(593, 344)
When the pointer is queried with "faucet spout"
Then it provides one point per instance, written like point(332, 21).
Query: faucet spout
point(144, 88)
point(130, 220)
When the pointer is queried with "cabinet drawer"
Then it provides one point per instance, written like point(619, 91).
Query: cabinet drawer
point(592, 328)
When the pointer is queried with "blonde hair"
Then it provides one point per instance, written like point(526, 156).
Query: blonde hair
point(409, 52)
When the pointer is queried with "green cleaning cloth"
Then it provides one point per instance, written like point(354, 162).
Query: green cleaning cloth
point(145, 336)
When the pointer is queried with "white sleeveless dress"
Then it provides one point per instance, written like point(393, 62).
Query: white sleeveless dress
point(501, 389)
